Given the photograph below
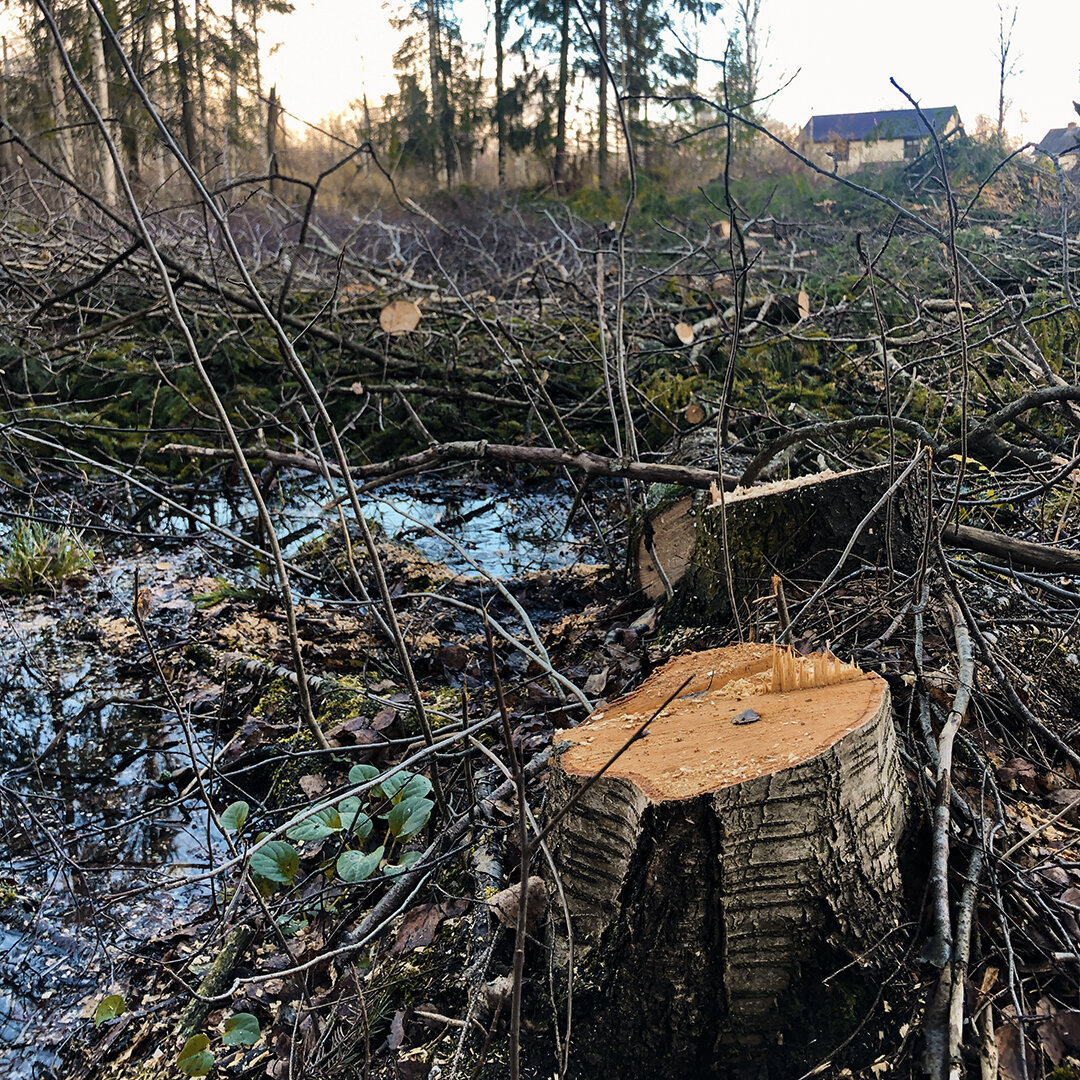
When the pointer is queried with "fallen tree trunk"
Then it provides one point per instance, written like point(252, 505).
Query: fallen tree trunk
point(794, 528)
point(1037, 556)
point(797, 529)
point(747, 841)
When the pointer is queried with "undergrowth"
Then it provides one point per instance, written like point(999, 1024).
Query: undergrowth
point(40, 559)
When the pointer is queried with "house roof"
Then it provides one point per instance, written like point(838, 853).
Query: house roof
point(894, 124)
point(1061, 140)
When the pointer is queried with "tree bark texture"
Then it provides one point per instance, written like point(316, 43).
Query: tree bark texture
point(183, 74)
point(694, 915)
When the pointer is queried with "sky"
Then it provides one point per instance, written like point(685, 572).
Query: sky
point(841, 54)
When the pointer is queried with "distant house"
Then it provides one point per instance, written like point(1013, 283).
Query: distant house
point(854, 139)
point(1063, 141)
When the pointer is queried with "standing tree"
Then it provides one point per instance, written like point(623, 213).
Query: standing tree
point(500, 92)
point(1006, 64)
point(749, 16)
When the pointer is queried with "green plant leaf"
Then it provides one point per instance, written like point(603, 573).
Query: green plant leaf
point(290, 926)
point(418, 785)
point(277, 861)
point(241, 1029)
point(109, 1008)
point(316, 826)
point(234, 816)
point(408, 861)
point(392, 785)
point(353, 817)
point(354, 866)
point(409, 816)
point(361, 774)
point(195, 1059)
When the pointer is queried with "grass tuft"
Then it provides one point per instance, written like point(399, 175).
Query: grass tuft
point(39, 559)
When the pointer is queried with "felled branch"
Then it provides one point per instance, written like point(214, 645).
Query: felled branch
point(583, 460)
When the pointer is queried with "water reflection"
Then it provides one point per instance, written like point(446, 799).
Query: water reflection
point(83, 816)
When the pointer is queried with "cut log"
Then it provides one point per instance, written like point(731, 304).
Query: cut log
point(794, 528)
point(668, 540)
point(723, 856)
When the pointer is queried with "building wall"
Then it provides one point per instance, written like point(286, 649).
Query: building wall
point(861, 153)
point(867, 153)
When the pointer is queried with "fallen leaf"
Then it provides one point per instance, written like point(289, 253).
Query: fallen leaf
point(383, 719)
point(397, 1030)
point(399, 317)
point(498, 991)
point(313, 784)
point(596, 682)
point(454, 657)
point(1067, 1027)
point(1009, 1048)
point(420, 924)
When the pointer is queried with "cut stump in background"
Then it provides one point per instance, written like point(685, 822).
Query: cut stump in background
point(794, 528)
point(750, 833)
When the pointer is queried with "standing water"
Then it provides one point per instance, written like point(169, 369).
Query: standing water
point(95, 846)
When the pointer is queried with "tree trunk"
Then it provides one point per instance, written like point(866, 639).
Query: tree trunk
point(101, 95)
point(559, 170)
point(273, 114)
point(7, 155)
point(795, 528)
point(60, 112)
point(500, 104)
point(602, 110)
point(234, 81)
point(183, 75)
point(725, 859)
point(200, 70)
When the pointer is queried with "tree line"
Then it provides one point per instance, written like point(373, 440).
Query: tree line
point(567, 83)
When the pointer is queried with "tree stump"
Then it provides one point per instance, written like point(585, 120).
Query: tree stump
point(794, 528)
point(749, 834)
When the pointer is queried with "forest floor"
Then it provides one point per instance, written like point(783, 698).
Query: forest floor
point(190, 879)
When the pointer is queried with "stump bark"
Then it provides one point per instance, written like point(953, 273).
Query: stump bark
point(794, 528)
point(753, 827)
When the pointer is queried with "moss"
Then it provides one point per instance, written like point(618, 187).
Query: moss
point(340, 706)
point(278, 703)
point(284, 789)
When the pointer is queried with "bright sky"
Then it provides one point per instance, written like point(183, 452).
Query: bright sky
point(943, 52)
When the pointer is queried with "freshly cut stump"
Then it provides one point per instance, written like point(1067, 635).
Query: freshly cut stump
point(748, 839)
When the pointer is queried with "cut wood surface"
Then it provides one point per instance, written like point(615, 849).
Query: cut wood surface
point(671, 544)
point(723, 856)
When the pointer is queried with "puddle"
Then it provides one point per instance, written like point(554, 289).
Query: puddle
point(83, 817)
point(86, 741)
point(508, 533)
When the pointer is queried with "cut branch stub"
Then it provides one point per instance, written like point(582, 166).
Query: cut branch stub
point(724, 857)
point(399, 317)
